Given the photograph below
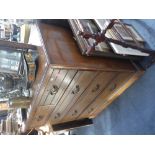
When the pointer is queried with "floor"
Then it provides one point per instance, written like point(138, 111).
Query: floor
point(134, 111)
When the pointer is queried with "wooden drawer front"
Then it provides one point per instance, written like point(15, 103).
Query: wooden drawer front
point(75, 89)
point(65, 95)
point(40, 91)
point(48, 86)
point(64, 85)
point(98, 104)
point(54, 86)
point(95, 88)
point(41, 116)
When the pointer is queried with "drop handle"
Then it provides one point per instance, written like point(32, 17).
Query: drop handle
point(40, 117)
point(57, 116)
point(97, 87)
point(75, 112)
point(90, 110)
point(76, 90)
point(54, 89)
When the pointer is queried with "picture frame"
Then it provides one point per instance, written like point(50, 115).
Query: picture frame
point(125, 36)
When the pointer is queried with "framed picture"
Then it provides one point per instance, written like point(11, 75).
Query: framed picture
point(125, 35)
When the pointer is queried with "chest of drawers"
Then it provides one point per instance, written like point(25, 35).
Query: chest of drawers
point(70, 86)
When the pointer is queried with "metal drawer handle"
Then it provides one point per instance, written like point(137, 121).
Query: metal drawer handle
point(77, 89)
point(57, 116)
point(54, 90)
point(75, 112)
point(40, 117)
point(97, 87)
point(91, 109)
point(113, 87)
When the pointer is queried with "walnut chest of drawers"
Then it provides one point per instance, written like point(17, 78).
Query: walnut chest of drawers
point(70, 86)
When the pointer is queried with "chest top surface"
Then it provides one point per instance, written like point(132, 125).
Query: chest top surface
point(63, 52)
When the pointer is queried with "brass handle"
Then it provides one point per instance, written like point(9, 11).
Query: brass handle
point(91, 109)
point(40, 117)
point(75, 112)
point(54, 90)
point(97, 87)
point(57, 116)
point(113, 87)
point(77, 89)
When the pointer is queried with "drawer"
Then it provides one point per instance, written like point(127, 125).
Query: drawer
point(64, 85)
point(49, 85)
point(103, 99)
point(79, 84)
point(41, 116)
point(95, 88)
point(55, 114)
point(54, 86)
point(41, 87)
